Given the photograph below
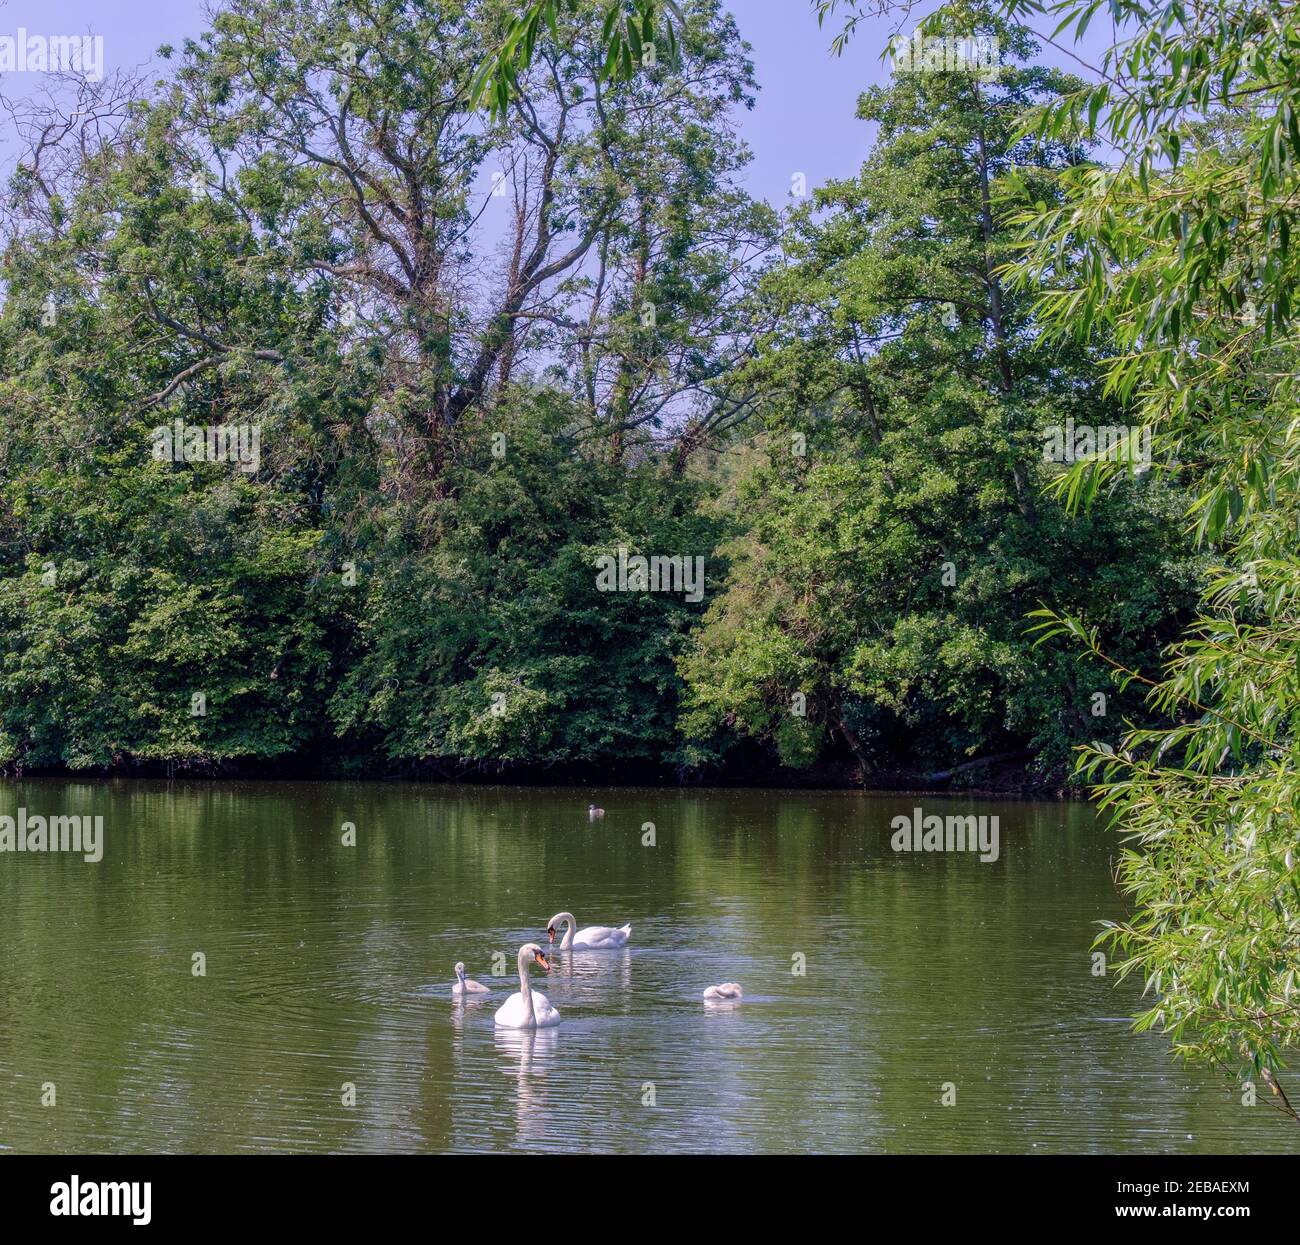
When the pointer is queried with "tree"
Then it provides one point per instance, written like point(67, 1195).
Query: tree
point(157, 609)
point(289, 234)
point(340, 108)
point(487, 644)
point(894, 540)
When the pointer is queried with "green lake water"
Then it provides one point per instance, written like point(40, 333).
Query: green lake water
point(329, 965)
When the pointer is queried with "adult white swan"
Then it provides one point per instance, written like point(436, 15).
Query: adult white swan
point(593, 938)
point(527, 1008)
point(464, 985)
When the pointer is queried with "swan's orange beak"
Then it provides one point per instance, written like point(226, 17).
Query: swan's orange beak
point(550, 932)
point(539, 957)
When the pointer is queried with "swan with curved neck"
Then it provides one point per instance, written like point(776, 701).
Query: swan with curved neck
point(528, 1008)
point(593, 938)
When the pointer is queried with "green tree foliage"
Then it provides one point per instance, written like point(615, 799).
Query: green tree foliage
point(134, 585)
point(493, 647)
point(309, 229)
point(628, 28)
point(894, 536)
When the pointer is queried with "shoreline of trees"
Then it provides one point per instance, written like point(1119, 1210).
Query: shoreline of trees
point(839, 410)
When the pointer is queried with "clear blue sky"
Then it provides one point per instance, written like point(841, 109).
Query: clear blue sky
point(803, 122)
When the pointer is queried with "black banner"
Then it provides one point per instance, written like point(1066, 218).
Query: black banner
point(142, 1194)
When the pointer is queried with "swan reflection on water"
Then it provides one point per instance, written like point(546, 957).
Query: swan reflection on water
point(521, 1047)
point(528, 1055)
point(721, 1005)
point(467, 1010)
point(588, 979)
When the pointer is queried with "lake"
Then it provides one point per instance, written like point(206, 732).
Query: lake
point(877, 983)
